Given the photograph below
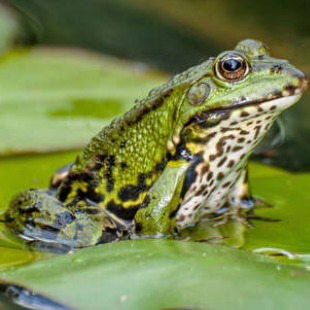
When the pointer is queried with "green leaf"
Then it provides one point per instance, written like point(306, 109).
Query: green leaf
point(22, 172)
point(162, 274)
point(290, 197)
point(56, 99)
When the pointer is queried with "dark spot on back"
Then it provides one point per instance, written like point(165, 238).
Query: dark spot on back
point(123, 165)
point(132, 192)
point(120, 211)
point(97, 163)
point(110, 163)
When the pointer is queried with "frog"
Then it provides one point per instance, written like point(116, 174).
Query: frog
point(176, 157)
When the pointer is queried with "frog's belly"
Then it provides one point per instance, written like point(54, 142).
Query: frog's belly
point(224, 157)
point(200, 204)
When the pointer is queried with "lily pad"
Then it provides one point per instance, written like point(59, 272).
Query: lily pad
point(290, 197)
point(55, 99)
point(162, 274)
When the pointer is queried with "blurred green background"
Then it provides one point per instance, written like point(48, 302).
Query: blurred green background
point(172, 35)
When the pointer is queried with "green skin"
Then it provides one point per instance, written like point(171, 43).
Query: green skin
point(144, 172)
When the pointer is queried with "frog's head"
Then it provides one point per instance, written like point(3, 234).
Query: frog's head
point(245, 79)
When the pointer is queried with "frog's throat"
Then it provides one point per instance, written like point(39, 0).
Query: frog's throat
point(277, 103)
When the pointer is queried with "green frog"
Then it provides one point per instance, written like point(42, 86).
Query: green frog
point(177, 156)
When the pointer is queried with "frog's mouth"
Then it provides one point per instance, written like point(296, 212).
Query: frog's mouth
point(275, 103)
point(280, 99)
point(279, 102)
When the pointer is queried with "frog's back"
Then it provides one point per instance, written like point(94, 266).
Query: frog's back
point(123, 160)
point(150, 120)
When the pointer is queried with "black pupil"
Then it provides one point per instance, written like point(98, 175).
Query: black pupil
point(232, 64)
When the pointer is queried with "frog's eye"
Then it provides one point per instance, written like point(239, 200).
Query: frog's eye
point(198, 93)
point(231, 68)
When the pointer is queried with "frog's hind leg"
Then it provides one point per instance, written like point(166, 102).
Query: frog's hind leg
point(35, 215)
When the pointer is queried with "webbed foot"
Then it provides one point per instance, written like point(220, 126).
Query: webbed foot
point(243, 212)
point(226, 215)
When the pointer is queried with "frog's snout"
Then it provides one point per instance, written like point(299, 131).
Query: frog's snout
point(297, 81)
point(302, 79)
point(303, 83)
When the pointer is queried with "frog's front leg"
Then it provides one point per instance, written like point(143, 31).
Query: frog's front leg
point(37, 216)
point(156, 215)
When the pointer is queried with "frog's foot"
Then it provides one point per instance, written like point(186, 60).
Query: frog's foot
point(36, 216)
point(248, 203)
point(243, 213)
point(227, 214)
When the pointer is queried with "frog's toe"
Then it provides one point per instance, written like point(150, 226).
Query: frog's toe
point(231, 214)
point(248, 203)
point(250, 215)
point(261, 203)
